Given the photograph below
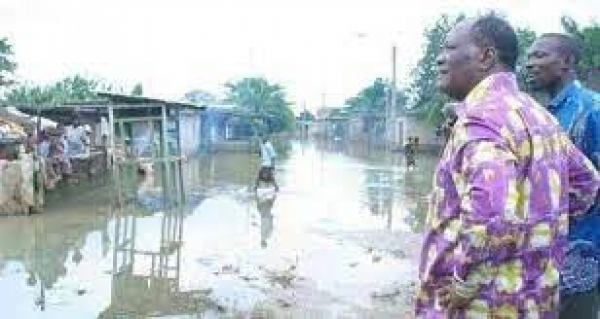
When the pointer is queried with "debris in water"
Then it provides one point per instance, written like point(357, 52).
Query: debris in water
point(227, 270)
point(202, 293)
point(248, 278)
point(284, 278)
point(386, 294)
point(398, 253)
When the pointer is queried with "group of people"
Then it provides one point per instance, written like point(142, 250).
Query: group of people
point(57, 145)
point(410, 152)
point(514, 218)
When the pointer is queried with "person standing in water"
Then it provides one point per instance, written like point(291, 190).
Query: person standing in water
point(266, 173)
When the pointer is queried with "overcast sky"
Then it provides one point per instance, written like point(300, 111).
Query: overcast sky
point(311, 47)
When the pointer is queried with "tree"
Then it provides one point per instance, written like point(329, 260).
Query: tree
point(75, 88)
point(7, 64)
point(423, 89)
point(264, 100)
point(306, 115)
point(589, 40)
point(372, 103)
point(372, 99)
point(200, 97)
point(526, 37)
point(138, 90)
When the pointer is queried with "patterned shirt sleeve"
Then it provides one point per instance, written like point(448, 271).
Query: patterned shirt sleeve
point(486, 182)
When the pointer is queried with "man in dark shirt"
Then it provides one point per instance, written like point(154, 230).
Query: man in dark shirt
point(552, 65)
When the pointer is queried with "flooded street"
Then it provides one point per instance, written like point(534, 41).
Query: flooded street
point(340, 239)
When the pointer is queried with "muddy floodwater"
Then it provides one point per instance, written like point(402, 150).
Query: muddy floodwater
point(339, 240)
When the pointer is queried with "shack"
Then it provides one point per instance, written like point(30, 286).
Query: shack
point(151, 136)
point(117, 133)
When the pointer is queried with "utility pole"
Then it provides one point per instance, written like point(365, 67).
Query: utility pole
point(391, 112)
point(304, 122)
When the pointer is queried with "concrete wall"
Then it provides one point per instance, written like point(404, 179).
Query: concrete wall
point(16, 186)
point(190, 134)
point(355, 129)
point(232, 146)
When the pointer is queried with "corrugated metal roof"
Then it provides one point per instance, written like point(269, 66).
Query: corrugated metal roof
point(134, 99)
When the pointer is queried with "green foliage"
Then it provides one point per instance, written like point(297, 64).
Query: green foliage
point(589, 38)
point(372, 103)
point(526, 38)
point(200, 97)
point(306, 116)
point(264, 101)
point(7, 64)
point(138, 90)
point(374, 98)
point(590, 62)
point(423, 86)
point(75, 88)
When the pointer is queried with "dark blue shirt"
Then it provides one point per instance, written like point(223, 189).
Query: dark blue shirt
point(578, 112)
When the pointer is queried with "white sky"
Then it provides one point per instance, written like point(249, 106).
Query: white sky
point(309, 46)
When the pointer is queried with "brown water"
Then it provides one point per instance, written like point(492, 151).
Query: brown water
point(340, 239)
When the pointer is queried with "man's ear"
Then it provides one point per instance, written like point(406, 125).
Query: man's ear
point(568, 62)
point(488, 58)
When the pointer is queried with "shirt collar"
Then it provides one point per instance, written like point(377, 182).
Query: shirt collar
point(494, 83)
point(567, 91)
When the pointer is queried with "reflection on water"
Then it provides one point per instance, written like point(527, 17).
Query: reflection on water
point(265, 199)
point(146, 264)
point(339, 239)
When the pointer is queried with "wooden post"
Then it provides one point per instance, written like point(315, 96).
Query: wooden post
point(38, 165)
point(165, 155)
point(111, 124)
point(179, 163)
point(115, 168)
point(116, 244)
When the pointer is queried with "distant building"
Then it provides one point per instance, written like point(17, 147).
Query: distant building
point(140, 119)
point(409, 124)
point(333, 122)
point(228, 127)
point(367, 127)
point(219, 123)
point(306, 124)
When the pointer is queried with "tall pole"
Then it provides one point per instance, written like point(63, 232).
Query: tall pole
point(305, 123)
point(391, 114)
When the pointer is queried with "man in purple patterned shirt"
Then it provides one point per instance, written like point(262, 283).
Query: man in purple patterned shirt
point(503, 191)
